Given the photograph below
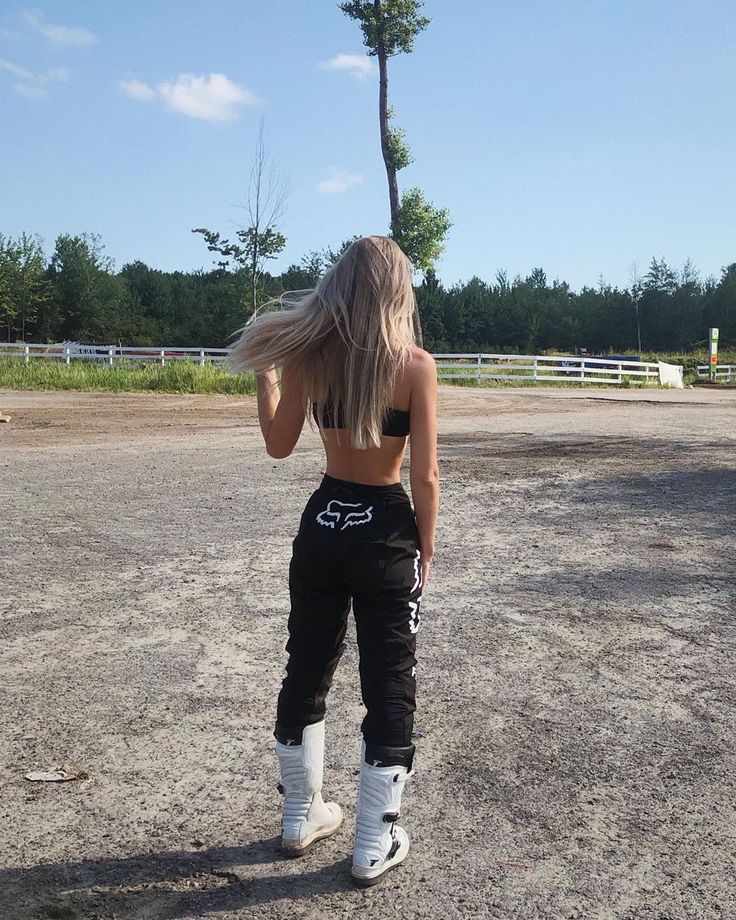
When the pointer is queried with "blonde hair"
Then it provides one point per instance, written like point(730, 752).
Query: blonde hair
point(346, 340)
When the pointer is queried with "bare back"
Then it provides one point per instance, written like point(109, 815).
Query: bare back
point(377, 465)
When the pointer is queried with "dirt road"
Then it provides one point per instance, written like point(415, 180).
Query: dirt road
point(576, 672)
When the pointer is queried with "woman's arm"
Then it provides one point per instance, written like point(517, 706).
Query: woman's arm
point(424, 474)
point(281, 415)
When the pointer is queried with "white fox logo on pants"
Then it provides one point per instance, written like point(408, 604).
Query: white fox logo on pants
point(336, 512)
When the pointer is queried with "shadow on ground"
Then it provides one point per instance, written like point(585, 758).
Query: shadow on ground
point(163, 885)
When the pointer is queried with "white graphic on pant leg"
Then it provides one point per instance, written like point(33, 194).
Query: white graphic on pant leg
point(415, 617)
point(417, 575)
point(337, 512)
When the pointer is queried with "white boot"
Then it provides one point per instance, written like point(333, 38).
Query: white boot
point(306, 818)
point(380, 844)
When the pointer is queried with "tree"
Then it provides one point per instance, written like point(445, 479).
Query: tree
point(420, 229)
point(259, 240)
point(429, 300)
point(85, 294)
point(660, 284)
point(23, 287)
point(9, 269)
point(686, 308)
point(33, 288)
point(389, 27)
point(720, 306)
point(636, 291)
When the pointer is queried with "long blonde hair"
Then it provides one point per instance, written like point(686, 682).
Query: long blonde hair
point(346, 340)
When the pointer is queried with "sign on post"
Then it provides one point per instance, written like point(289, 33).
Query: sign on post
point(713, 337)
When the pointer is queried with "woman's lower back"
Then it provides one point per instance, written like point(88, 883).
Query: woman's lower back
point(377, 466)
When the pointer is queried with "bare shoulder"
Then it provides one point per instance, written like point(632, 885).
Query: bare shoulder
point(417, 377)
point(421, 365)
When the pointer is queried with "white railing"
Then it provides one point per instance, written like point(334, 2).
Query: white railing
point(554, 369)
point(458, 367)
point(724, 372)
point(109, 354)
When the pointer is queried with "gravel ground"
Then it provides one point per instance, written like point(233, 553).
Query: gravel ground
point(576, 663)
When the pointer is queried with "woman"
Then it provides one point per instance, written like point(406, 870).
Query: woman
point(348, 355)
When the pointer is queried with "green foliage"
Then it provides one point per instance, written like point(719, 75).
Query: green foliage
point(84, 299)
point(85, 292)
point(251, 246)
point(399, 153)
point(246, 258)
point(420, 229)
point(23, 286)
point(719, 308)
point(393, 24)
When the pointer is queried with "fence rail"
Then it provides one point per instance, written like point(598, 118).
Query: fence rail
point(452, 366)
point(110, 354)
point(724, 372)
point(555, 368)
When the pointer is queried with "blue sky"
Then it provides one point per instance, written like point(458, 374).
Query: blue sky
point(579, 135)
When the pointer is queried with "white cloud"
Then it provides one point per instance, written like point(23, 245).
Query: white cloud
point(137, 90)
point(338, 182)
point(34, 85)
point(59, 35)
point(30, 90)
point(212, 98)
point(16, 70)
point(359, 65)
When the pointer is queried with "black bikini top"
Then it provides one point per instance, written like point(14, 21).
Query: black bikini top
point(395, 425)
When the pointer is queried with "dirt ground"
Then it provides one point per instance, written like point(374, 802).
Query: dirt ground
point(576, 750)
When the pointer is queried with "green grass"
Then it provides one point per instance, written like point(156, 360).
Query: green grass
point(173, 377)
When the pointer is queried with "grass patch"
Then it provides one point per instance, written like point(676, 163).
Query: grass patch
point(174, 377)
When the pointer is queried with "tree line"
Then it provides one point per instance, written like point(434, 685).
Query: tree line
point(77, 294)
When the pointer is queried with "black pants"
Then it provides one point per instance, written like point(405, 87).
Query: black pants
point(356, 542)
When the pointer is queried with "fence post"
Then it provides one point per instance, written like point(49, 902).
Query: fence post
point(478, 369)
point(110, 352)
point(534, 373)
point(67, 351)
point(27, 351)
point(163, 358)
point(201, 356)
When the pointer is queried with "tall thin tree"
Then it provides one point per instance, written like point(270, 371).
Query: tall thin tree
point(389, 27)
point(259, 239)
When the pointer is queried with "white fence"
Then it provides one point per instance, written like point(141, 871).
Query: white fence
point(724, 372)
point(555, 368)
point(460, 367)
point(66, 351)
